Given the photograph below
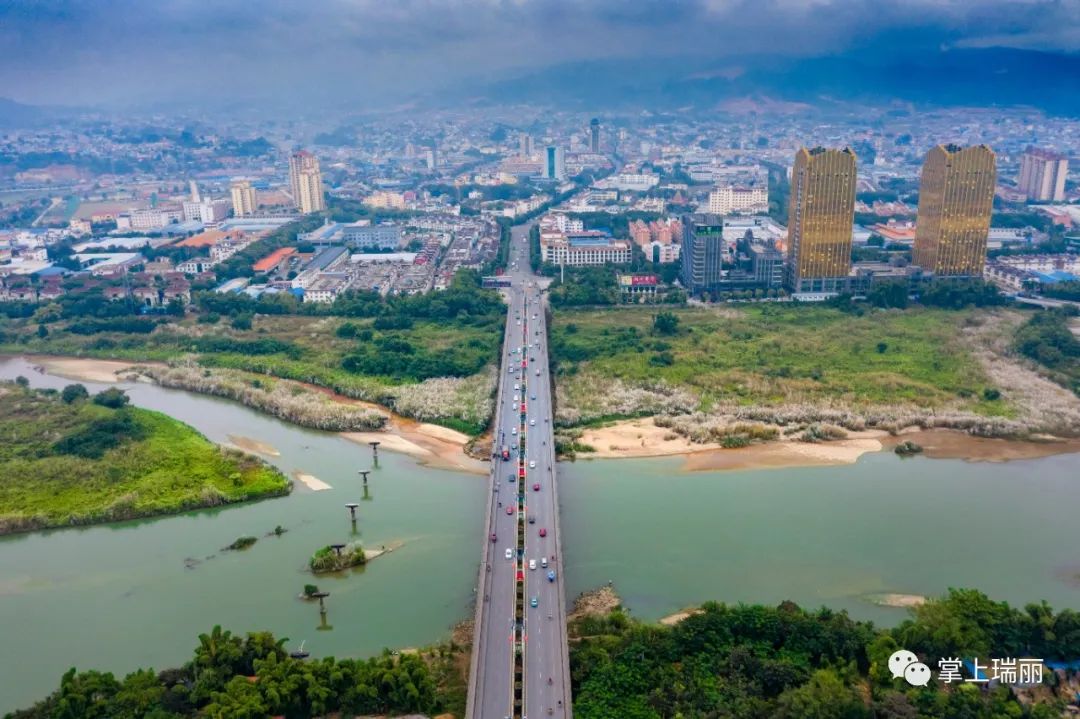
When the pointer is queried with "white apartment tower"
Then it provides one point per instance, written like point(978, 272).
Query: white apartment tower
point(305, 181)
point(1042, 175)
point(243, 198)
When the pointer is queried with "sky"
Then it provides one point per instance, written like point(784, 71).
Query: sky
point(118, 52)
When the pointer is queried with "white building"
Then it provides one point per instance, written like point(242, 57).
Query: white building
point(1042, 175)
point(583, 249)
point(208, 212)
point(152, 219)
point(633, 181)
point(564, 223)
point(738, 200)
point(244, 200)
point(327, 287)
point(662, 253)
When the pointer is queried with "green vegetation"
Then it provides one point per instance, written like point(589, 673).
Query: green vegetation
point(770, 354)
point(1047, 339)
point(1063, 290)
point(329, 559)
point(746, 662)
point(82, 462)
point(254, 677)
point(241, 543)
point(364, 346)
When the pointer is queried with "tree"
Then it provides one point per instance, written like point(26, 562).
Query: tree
point(825, 696)
point(112, 398)
point(73, 393)
point(239, 700)
point(666, 323)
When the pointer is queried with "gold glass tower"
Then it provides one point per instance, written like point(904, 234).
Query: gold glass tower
point(956, 197)
point(820, 216)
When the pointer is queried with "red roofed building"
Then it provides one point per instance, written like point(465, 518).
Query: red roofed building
point(274, 260)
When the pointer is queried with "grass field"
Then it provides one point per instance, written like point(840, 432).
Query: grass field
point(81, 463)
point(773, 354)
point(306, 349)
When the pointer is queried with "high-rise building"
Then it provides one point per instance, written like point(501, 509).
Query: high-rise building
point(194, 186)
point(594, 136)
point(311, 192)
point(555, 163)
point(244, 202)
point(305, 181)
point(956, 197)
point(820, 216)
point(525, 148)
point(702, 252)
point(1042, 175)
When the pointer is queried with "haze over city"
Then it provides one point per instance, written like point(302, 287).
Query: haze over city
point(496, 359)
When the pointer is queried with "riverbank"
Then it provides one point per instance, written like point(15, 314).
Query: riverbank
point(640, 438)
point(434, 445)
point(431, 445)
point(78, 461)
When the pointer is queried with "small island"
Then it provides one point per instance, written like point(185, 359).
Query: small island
point(69, 458)
point(337, 557)
point(240, 543)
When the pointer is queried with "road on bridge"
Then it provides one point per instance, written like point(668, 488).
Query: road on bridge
point(520, 665)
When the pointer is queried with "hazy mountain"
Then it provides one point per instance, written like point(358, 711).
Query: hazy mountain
point(16, 114)
point(979, 77)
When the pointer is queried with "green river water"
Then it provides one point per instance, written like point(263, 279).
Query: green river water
point(119, 597)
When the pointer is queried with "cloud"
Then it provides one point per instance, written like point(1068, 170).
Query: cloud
point(202, 51)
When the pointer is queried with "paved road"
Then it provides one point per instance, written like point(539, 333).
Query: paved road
point(541, 635)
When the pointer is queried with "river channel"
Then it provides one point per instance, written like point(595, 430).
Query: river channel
point(137, 594)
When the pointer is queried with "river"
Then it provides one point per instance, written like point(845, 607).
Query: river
point(119, 597)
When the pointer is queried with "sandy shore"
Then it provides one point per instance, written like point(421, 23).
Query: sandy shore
point(370, 554)
point(951, 444)
point(311, 482)
point(672, 619)
point(253, 445)
point(434, 446)
point(642, 438)
point(596, 602)
point(85, 369)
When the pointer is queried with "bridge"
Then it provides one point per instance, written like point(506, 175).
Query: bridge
point(520, 664)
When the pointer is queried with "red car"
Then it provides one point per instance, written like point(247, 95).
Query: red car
point(493, 537)
point(536, 487)
point(543, 532)
point(509, 510)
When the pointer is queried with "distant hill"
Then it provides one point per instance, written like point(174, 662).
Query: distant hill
point(16, 114)
point(982, 77)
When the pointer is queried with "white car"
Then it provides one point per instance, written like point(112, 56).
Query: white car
point(543, 562)
point(537, 373)
point(532, 564)
point(532, 464)
point(517, 386)
point(509, 554)
point(513, 430)
point(532, 422)
point(516, 397)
